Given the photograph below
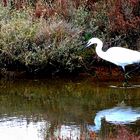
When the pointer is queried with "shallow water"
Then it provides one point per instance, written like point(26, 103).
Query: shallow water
point(59, 109)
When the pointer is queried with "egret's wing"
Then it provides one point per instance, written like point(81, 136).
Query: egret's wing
point(120, 117)
point(119, 55)
point(117, 115)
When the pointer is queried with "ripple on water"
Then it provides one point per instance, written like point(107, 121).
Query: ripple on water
point(124, 87)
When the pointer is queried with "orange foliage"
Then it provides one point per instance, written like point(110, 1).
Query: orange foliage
point(60, 7)
point(39, 7)
point(123, 15)
point(44, 10)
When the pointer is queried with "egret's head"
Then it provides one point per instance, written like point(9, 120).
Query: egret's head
point(94, 128)
point(92, 41)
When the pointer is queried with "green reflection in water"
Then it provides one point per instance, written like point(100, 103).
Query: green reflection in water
point(61, 102)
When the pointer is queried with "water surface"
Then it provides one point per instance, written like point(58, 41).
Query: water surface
point(59, 109)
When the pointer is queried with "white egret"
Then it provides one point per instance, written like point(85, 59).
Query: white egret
point(116, 115)
point(117, 55)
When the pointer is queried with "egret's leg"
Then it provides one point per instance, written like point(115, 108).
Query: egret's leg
point(126, 79)
point(127, 74)
point(125, 83)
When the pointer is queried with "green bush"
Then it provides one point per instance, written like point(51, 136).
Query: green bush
point(37, 43)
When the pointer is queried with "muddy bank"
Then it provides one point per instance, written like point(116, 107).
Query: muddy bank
point(94, 73)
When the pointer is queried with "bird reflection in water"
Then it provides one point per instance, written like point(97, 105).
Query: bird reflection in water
point(117, 115)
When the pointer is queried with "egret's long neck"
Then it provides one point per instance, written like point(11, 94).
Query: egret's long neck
point(99, 50)
point(97, 121)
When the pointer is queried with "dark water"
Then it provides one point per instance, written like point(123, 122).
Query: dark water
point(65, 109)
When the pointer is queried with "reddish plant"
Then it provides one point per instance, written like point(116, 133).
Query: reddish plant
point(59, 7)
point(40, 9)
point(62, 7)
point(123, 15)
point(4, 3)
point(87, 3)
point(43, 10)
point(125, 134)
point(17, 4)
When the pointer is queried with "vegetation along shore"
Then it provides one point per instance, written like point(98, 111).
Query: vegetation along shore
point(47, 37)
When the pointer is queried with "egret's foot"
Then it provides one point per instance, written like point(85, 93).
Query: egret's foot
point(126, 84)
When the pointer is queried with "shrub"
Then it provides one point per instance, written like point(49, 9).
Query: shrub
point(17, 29)
point(37, 43)
point(61, 41)
point(116, 21)
point(124, 16)
point(50, 33)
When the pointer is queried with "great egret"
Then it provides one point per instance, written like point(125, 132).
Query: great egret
point(116, 55)
point(116, 115)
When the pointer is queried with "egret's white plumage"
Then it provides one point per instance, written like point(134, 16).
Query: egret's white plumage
point(116, 115)
point(117, 55)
